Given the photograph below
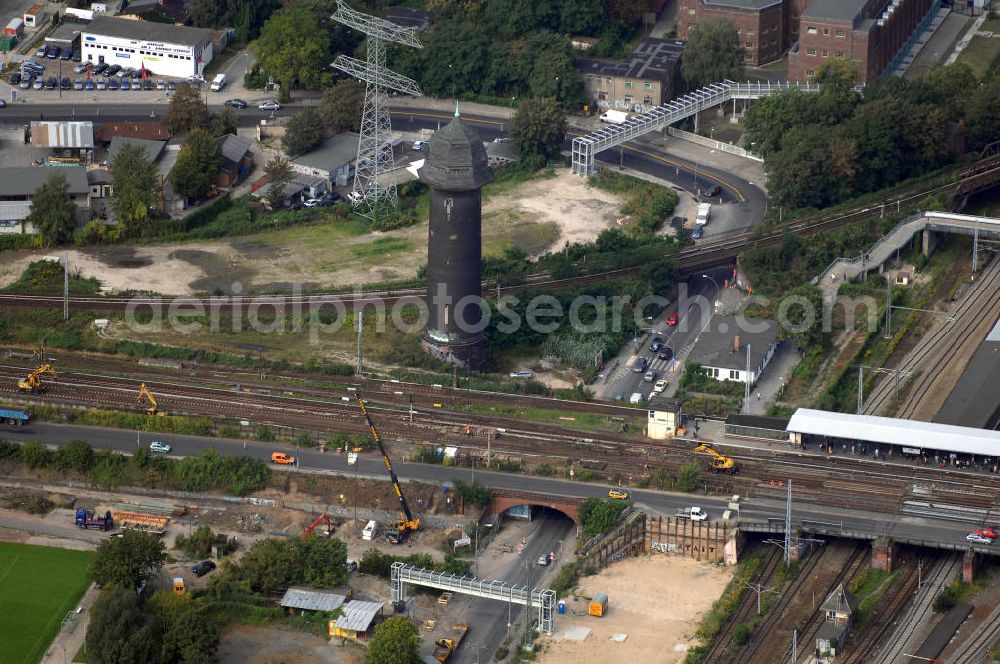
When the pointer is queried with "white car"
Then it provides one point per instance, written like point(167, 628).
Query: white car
point(269, 106)
point(312, 202)
point(355, 197)
point(419, 145)
point(660, 386)
point(162, 448)
point(523, 373)
point(976, 538)
point(543, 560)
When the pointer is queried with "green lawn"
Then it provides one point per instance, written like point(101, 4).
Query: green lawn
point(982, 52)
point(40, 585)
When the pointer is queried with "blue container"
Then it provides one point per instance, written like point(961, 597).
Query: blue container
point(562, 606)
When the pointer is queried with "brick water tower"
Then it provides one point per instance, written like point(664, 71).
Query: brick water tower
point(455, 171)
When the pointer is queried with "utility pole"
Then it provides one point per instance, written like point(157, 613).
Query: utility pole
point(746, 386)
point(788, 525)
point(361, 320)
point(66, 287)
point(888, 308)
point(861, 390)
point(760, 589)
point(795, 646)
point(527, 609)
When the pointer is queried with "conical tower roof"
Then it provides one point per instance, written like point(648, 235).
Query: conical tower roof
point(456, 159)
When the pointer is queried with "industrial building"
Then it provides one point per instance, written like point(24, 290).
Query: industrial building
point(166, 50)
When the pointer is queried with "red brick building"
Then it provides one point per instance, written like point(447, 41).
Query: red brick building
point(869, 32)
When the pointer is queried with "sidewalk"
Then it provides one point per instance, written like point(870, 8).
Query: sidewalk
point(768, 389)
point(71, 635)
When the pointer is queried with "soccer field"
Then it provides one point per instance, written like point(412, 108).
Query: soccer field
point(39, 585)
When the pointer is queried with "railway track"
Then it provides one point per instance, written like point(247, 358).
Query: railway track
point(982, 302)
point(982, 174)
point(807, 635)
point(745, 611)
point(973, 649)
point(862, 651)
point(915, 619)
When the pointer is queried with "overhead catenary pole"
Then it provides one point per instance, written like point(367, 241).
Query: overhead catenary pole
point(746, 386)
point(788, 526)
point(361, 319)
point(66, 287)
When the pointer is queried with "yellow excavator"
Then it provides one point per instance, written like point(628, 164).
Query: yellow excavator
point(144, 393)
point(719, 462)
point(407, 522)
point(33, 381)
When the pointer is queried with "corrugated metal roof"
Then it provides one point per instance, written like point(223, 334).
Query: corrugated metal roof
point(358, 615)
point(312, 600)
point(147, 31)
point(62, 134)
point(925, 435)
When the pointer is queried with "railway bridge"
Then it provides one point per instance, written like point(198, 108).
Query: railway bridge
point(504, 499)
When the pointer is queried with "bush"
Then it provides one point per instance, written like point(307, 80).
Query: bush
point(944, 601)
point(475, 493)
point(687, 477)
point(742, 634)
point(34, 455)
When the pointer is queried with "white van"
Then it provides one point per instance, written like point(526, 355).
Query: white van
point(218, 82)
point(703, 211)
point(369, 533)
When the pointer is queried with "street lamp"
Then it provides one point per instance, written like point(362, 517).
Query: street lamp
point(717, 289)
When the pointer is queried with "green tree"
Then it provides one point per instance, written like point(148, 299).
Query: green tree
point(127, 561)
point(598, 516)
point(185, 636)
point(187, 110)
point(272, 564)
point(76, 455)
point(53, 213)
point(279, 172)
point(687, 477)
point(119, 632)
point(289, 48)
point(324, 561)
point(134, 188)
point(474, 494)
point(341, 106)
point(199, 544)
point(197, 164)
point(305, 131)
point(34, 455)
point(247, 16)
point(224, 122)
point(547, 62)
point(397, 641)
point(538, 129)
point(712, 54)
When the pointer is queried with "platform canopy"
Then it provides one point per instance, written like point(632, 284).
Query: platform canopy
point(893, 431)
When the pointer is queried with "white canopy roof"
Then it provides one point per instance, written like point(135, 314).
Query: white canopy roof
point(911, 433)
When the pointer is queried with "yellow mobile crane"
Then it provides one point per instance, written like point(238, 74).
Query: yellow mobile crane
point(144, 393)
point(407, 522)
point(719, 462)
point(33, 381)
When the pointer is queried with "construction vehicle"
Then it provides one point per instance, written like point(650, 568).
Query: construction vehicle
point(719, 462)
point(447, 646)
point(324, 517)
point(144, 393)
point(33, 381)
point(407, 523)
point(88, 519)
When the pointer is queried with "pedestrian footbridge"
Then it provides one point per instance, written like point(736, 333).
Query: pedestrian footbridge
point(585, 148)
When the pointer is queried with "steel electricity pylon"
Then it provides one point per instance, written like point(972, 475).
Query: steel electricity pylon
point(374, 191)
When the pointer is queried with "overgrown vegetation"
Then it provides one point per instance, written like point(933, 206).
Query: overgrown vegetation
point(598, 516)
point(722, 609)
point(378, 563)
point(48, 277)
point(104, 468)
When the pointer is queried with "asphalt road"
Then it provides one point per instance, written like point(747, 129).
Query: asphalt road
point(697, 313)
point(931, 530)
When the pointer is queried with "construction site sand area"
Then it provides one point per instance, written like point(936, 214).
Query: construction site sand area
point(656, 601)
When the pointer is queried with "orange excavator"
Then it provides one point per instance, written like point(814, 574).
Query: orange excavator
point(324, 517)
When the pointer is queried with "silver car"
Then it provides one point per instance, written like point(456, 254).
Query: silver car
point(162, 448)
point(976, 538)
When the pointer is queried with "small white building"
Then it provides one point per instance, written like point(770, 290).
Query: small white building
point(164, 49)
point(722, 351)
point(664, 417)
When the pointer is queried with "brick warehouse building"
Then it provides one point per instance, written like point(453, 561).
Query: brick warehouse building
point(869, 32)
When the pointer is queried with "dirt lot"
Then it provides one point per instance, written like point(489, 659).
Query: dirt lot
point(659, 624)
point(535, 216)
point(246, 644)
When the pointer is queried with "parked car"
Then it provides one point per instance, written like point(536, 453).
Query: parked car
point(78, 84)
point(160, 85)
point(672, 320)
point(235, 103)
point(330, 199)
point(203, 568)
point(88, 84)
point(113, 69)
point(521, 373)
point(99, 68)
point(420, 145)
point(978, 539)
point(53, 53)
point(297, 205)
point(170, 85)
point(52, 83)
point(80, 68)
point(40, 53)
point(355, 197)
point(125, 85)
point(38, 84)
point(15, 79)
point(101, 84)
point(162, 448)
point(26, 82)
point(149, 85)
point(311, 202)
point(66, 83)
point(3, 104)
point(66, 55)
point(698, 231)
point(269, 106)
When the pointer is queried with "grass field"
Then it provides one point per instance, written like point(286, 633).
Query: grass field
point(982, 52)
point(40, 585)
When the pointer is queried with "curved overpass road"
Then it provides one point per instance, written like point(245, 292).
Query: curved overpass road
point(929, 530)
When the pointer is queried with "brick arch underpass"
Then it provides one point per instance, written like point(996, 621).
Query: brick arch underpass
point(504, 499)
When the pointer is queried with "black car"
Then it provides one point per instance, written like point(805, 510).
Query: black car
point(714, 191)
point(203, 568)
point(99, 68)
point(296, 206)
point(235, 103)
point(112, 70)
point(15, 79)
point(656, 344)
point(666, 353)
point(640, 364)
point(148, 85)
point(329, 200)
point(52, 83)
point(53, 53)
point(66, 84)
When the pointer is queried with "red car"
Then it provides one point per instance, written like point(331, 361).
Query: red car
point(672, 320)
point(988, 533)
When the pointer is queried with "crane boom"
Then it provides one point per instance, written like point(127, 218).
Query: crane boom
point(145, 393)
point(719, 461)
point(407, 522)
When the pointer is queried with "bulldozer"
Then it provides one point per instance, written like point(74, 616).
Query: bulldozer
point(719, 462)
point(144, 393)
point(33, 381)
